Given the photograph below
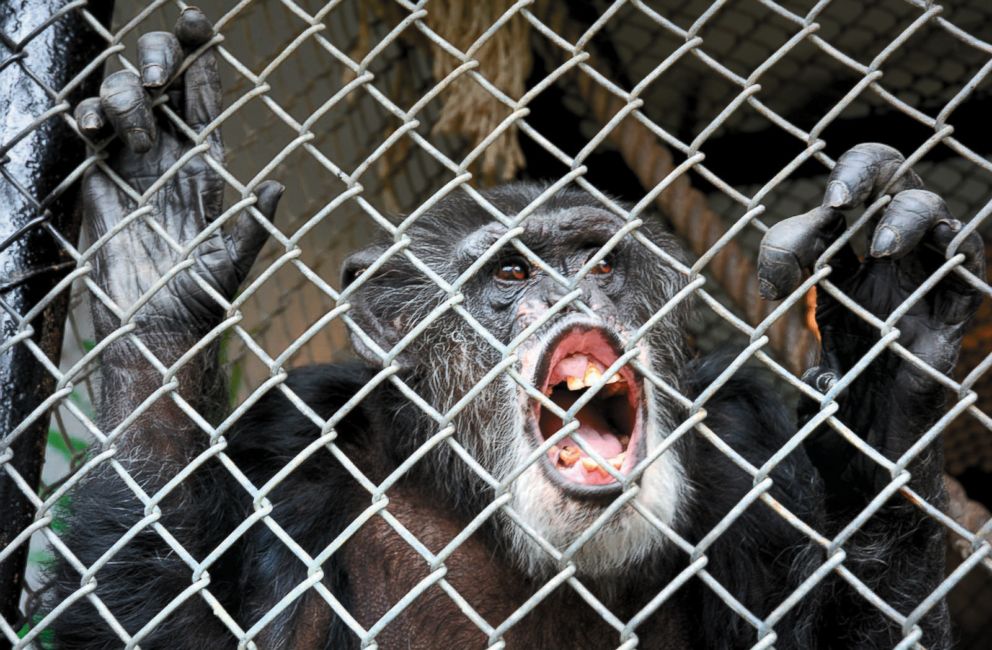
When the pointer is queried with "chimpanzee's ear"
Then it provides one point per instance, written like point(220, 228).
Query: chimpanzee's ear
point(370, 314)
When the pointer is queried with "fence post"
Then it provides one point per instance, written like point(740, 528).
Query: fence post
point(40, 52)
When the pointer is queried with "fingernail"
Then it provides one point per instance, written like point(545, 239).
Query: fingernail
point(826, 381)
point(153, 75)
point(268, 197)
point(139, 140)
point(270, 188)
point(837, 195)
point(90, 122)
point(884, 243)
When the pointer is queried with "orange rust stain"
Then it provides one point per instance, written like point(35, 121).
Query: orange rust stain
point(811, 312)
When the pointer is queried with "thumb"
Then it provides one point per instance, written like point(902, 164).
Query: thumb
point(248, 235)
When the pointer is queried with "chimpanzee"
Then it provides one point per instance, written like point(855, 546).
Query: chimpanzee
point(570, 459)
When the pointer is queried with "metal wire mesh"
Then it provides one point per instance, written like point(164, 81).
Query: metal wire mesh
point(339, 102)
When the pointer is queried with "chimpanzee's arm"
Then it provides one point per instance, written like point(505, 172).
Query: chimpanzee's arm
point(892, 403)
point(170, 296)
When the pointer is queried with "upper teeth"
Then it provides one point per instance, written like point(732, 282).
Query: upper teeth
point(592, 375)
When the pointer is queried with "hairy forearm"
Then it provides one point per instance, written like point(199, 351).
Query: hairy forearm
point(897, 552)
point(142, 407)
point(891, 411)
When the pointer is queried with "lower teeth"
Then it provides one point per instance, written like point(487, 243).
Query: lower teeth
point(569, 455)
point(591, 466)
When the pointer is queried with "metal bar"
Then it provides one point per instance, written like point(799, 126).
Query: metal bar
point(44, 44)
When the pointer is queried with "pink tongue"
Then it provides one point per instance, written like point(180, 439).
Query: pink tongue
point(595, 431)
point(606, 444)
point(592, 427)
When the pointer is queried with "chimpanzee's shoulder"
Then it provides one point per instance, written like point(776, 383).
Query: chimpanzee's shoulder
point(276, 429)
point(750, 414)
point(746, 405)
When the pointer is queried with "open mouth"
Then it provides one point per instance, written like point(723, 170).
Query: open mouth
point(610, 423)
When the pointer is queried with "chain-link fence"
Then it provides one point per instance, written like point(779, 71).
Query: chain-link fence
point(715, 119)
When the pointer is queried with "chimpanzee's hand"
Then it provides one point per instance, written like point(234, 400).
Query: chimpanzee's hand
point(893, 402)
point(185, 198)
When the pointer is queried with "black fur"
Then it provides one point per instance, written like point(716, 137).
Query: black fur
point(760, 559)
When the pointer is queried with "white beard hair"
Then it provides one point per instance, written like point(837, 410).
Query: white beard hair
point(502, 445)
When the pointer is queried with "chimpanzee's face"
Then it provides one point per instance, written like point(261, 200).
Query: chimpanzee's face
point(548, 366)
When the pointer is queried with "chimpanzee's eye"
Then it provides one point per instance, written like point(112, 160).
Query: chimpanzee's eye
point(603, 267)
point(514, 269)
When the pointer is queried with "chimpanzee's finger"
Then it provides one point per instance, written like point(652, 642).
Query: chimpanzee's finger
point(248, 235)
point(202, 90)
point(791, 247)
point(863, 172)
point(159, 55)
point(906, 221)
point(956, 299)
point(915, 217)
point(193, 28)
point(103, 205)
point(89, 117)
point(128, 109)
point(973, 248)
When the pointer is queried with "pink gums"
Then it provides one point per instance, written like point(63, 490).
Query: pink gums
point(570, 358)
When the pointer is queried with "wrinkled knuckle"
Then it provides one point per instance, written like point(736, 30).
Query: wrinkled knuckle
point(122, 100)
point(778, 273)
point(916, 194)
point(853, 170)
point(924, 198)
point(878, 150)
point(920, 203)
point(157, 38)
point(119, 79)
point(130, 109)
point(854, 157)
point(162, 44)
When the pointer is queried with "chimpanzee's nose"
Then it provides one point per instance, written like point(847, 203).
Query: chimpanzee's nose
point(552, 292)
